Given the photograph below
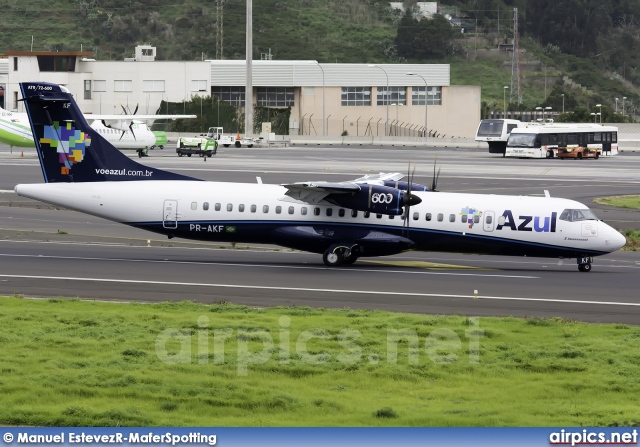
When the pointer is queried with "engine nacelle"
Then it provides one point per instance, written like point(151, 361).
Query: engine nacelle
point(375, 199)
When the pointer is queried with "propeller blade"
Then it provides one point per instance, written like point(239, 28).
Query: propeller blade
point(136, 110)
point(123, 109)
point(132, 133)
point(434, 180)
point(122, 134)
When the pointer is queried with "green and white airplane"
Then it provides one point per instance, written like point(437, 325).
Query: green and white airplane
point(122, 131)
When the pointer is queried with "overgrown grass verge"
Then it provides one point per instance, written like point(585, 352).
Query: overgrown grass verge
point(75, 363)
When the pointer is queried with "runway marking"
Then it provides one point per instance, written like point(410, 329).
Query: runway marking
point(308, 289)
point(427, 265)
point(232, 264)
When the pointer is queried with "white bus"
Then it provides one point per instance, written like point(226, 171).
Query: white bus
point(496, 132)
point(573, 140)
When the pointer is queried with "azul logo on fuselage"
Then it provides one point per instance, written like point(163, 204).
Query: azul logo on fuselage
point(539, 224)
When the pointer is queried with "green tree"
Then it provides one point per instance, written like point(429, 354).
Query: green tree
point(425, 39)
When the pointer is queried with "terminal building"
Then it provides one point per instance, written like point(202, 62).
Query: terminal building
point(334, 99)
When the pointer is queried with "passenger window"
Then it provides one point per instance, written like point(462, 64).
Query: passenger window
point(329, 211)
point(428, 216)
point(265, 208)
point(488, 219)
point(205, 206)
point(253, 208)
point(379, 216)
point(303, 210)
point(241, 208)
point(218, 206)
point(316, 211)
point(278, 209)
point(367, 214)
point(291, 209)
point(440, 217)
point(391, 216)
point(476, 218)
point(501, 220)
point(464, 218)
point(416, 216)
point(354, 213)
point(229, 206)
point(341, 212)
point(194, 205)
point(452, 217)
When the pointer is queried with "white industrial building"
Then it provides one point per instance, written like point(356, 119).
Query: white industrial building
point(352, 99)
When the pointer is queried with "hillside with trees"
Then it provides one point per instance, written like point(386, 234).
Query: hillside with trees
point(585, 50)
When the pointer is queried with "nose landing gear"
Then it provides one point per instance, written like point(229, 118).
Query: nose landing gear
point(584, 264)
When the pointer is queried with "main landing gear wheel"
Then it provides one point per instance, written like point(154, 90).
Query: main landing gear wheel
point(332, 258)
point(584, 267)
point(350, 260)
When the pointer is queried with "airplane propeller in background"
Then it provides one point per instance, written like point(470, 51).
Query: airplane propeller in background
point(127, 111)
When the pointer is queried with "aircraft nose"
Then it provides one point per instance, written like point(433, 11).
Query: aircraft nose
point(615, 240)
point(619, 240)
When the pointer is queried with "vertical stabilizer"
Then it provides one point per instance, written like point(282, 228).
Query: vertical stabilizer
point(69, 149)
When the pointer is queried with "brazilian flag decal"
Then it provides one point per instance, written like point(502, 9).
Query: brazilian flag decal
point(231, 229)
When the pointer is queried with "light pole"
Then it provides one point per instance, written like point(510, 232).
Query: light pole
point(616, 105)
point(562, 103)
point(386, 124)
point(426, 103)
point(599, 106)
point(504, 100)
point(623, 98)
point(248, 91)
point(324, 129)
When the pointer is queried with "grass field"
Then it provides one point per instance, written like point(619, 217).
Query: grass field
point(76, 363)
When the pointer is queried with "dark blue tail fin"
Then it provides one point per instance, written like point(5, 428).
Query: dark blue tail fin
point(69, 149)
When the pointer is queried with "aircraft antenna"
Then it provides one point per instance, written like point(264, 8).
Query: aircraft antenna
point(219, 29)
point(515, 62)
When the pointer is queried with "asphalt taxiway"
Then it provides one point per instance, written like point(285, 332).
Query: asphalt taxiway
point(50, 252)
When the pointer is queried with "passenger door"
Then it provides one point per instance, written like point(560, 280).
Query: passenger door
point(170, 214)
point(488, 220)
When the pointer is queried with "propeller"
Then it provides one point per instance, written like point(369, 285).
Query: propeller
point(127, 111)
point(408, 199)
point(434, 181)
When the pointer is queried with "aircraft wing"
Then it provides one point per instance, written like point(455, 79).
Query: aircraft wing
point(315, 192)
point(392, 176)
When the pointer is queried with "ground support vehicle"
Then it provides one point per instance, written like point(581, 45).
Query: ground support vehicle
point(217, 133)
point(200, 146)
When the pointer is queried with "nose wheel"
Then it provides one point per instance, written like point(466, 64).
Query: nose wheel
point(584, 264)
point(584, 267)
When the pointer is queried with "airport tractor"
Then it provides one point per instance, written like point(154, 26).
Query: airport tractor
point(217, 133)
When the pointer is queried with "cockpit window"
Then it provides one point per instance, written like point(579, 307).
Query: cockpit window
point(523, 140)
point(577, 215)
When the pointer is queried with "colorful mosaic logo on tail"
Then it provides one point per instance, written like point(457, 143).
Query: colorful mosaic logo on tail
point(69, 142)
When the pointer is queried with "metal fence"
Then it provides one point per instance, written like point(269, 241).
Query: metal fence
point(310, 125)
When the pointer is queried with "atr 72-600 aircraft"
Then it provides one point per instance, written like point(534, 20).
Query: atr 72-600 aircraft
point(122, 131)
point(372, 216)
